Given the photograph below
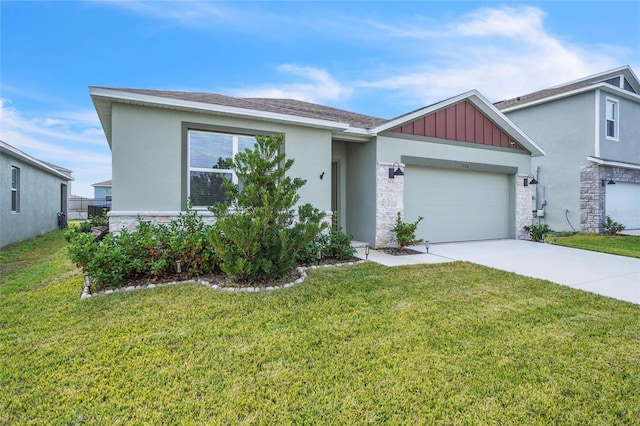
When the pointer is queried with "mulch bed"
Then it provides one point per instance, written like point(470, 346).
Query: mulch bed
point(399, 252)
point(223, 280)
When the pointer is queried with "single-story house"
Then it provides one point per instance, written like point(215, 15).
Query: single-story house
point(459, 163)
point(33, 192)
point(590, 130)
point(102, 193)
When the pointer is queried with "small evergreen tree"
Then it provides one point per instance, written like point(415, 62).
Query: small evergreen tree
point(257, 235)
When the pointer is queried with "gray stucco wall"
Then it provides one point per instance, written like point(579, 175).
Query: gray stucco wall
point(150, 164)
point(361, 191)
point(565, 129)
point(40, 201)
point(627, 147)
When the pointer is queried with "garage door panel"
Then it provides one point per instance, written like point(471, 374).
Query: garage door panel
point(623, 204)
point(457, 205)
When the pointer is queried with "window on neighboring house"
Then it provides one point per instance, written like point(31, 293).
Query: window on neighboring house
point(15, 189)
point(612, 119)
point(208, 155)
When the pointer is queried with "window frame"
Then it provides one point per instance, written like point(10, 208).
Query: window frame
point(15, 189)
point(615, 119)
point(234, 150)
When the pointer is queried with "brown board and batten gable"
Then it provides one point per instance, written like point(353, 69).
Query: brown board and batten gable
point(459, 122)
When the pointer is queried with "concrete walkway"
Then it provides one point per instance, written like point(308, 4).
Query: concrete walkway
point(609, 275)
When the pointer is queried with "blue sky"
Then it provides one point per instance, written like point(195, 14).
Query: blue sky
point(377, 58)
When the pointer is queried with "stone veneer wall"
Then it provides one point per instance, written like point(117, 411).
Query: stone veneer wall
point(389, 201)
point(525, 205)
point(129, 220)
point(593, 193)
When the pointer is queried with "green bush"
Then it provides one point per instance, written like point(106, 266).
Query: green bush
point(611, 227)
point(537, 232)
point(150, 250)
point(257, 235)
point(406, 232)
point(339, 245)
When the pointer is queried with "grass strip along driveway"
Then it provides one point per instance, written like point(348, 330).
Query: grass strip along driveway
point(452, 343)
point(622, 245)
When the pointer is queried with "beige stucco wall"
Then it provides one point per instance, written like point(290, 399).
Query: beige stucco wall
point(150, 164)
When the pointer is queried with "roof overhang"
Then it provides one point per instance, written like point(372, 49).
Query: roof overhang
point(482, 104)
point(602, 86)
point(11, 151)
point(611, 163)
point(104, 98)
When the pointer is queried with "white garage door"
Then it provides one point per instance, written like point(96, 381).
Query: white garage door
point(623, 204)
point(457, 205)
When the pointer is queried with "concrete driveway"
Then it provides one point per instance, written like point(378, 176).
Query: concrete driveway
point(605, 274)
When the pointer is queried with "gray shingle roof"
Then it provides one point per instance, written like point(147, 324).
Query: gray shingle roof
point(281, 106)
point(541, 94)
point(612, 77)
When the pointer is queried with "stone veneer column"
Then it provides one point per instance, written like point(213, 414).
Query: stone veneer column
point(525, 200)
point(389, 201)
point(593, 194)
point(592, 199)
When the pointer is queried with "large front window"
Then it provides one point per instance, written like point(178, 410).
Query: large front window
point(612, 119)
point(209, 156)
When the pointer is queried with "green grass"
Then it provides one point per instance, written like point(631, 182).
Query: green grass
point(453, 343)
point(623, 245)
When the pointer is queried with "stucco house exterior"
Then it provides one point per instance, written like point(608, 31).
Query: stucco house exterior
point(590, 130)
point(33, 192)
point(463, 163)
point(102, 193)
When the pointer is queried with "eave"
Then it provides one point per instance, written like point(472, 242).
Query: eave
point(103, 100)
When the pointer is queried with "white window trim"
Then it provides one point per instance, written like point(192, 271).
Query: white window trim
point(616, 127)
point(234, 177)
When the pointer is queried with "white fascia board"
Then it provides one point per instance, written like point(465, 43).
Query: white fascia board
point(480, 102)
point(16, 153)
point(213, 108)
point(614, 163)
point(606, 86)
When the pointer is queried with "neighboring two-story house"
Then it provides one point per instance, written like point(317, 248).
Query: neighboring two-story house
point(590, 131)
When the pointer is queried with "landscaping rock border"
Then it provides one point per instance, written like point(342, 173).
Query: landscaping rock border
point(301, 270)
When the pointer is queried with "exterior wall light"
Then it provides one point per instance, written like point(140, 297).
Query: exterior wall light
point(533, 180)
point(395, 171)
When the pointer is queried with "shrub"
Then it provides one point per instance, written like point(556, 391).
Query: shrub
point(537, 232)
point(611, 227)
point(339, 245)
point(257, 235)
point(406, 232)
point(150, 250)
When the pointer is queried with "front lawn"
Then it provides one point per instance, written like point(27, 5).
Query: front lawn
point(623, 245)
point(453, 343)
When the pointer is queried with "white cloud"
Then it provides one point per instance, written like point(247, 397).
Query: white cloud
point(71, 139)
point(503, 52)
point(316, 85)
point(183, 12)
